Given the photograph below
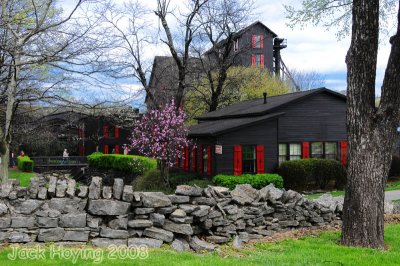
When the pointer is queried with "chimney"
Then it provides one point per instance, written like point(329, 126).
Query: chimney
point(265, 97)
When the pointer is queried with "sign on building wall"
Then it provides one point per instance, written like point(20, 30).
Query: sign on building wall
point(218, 149)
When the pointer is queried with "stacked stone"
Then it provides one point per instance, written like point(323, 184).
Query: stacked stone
point(55, 209)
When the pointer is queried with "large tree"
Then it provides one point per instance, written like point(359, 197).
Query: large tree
point(371, 130)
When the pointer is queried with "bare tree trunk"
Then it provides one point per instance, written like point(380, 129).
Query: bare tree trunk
point(164, 171)
point(4, 165)
point(371, 130)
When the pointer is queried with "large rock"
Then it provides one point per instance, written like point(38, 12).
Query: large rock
point(111, 233)
point(157, 219)
point(197, 244)
point(142, 211)
point(83, 191)
point(148, 242)
point(33, 188)
point(106, 242)
point(244, 194)
point(71, 188)
point(180, 244)
point(26, 206)
point(107, 192)
point(108, 207)
point(217, 239)
point(19, 237)
point(119, 223)
point(80, 236)
point(184, 229)
point(52, 186)
point(61, 188)
point(5, 189)
point(49, 235)
point(47, 222)
point(188, 190)
point(271, 193)
point(5, 222)
point(127, 194)
point(68, 205)
point(202, 211)
point(118, 188)
point(22, 222)
point(178, 213)
point(327, 201)
point(155, 199)
point(140, 223)
point(3, 209)
point(158, 233)
point(95, 188)
point(73, 220)
point(178, 199)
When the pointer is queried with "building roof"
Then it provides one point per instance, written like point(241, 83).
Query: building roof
point(257, 107)
point(217, 127)
point(250, 112)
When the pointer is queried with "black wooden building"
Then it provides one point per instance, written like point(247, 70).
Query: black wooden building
point(255, 136)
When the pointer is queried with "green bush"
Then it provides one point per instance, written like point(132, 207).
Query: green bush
point(150, 181)
point(124, 163)
point(395, 167)
point(312, 174)
point(25, 164)
point(257, 181)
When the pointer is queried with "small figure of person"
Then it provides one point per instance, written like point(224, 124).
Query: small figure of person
point(126, 151)
point(113, 151)
point(22, 153)
point(65, 156)
point(12, 159)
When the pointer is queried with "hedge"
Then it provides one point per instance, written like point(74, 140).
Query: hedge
point(25, 163)
point(257, 181)
point(312, 174)
point(125, 163)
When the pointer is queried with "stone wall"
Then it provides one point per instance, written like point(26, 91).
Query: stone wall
point(55, 209)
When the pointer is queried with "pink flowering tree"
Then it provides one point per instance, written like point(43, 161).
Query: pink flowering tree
point(162, 135)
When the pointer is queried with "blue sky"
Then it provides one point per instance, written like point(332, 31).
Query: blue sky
point(309, 49)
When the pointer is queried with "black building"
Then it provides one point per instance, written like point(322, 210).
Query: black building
point(255, 136)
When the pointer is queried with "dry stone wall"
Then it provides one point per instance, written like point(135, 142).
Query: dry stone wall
point(55, 209)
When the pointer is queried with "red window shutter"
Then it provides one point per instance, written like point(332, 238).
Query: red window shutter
point(209, 161)
point(343, 152)
point(253, 59)
point(306, 150)
point(105, 132)
point(260, 159)
point(200, 164)
point(116, 132)
point(116, 149)
point(194, 159)
point(186, 158)
point(237, 160)
point(105, 149)
point(262, 61)
point(261, 41)
point(253, 41)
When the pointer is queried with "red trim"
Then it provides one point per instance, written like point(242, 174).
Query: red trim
point(200, 164)
point(116, 131)
point(253, 41)
point(194, 159)
point(105, 149)
point(105, 132)
point(186, 164)
point(306, 150)
point(253, 60)
point(343, 153)
point(237, 160)
point(116, 149)
point(209, 161)
point(261, 41)
point(262, 61)
point(260, 159)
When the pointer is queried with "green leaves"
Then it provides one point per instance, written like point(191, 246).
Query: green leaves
point(257, 181)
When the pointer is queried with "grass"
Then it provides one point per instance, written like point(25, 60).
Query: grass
point(22, 176)
point(309, 250)
point(390, 186)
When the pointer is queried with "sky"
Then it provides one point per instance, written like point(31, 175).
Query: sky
point(312, 48)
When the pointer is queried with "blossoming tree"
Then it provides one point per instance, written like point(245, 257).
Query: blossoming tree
point(161, 134)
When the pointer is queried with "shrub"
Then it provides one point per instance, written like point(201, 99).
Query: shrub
point(25, 163)
point(124, 163)
point(312, 173)
point(257, 181)
point(395, 167)
point(150, 181)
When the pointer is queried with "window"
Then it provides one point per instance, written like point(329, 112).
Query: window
point(331, 150)
point(236, 45)
point(249, 159)
point(258, 60)
point(205, 160)
point(294, 151)
point(257, 41)
point(317, 150)
point(282, 153)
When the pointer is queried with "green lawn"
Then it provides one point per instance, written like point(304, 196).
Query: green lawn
point(310, 250)
point(389, 187)
point(22, 176)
